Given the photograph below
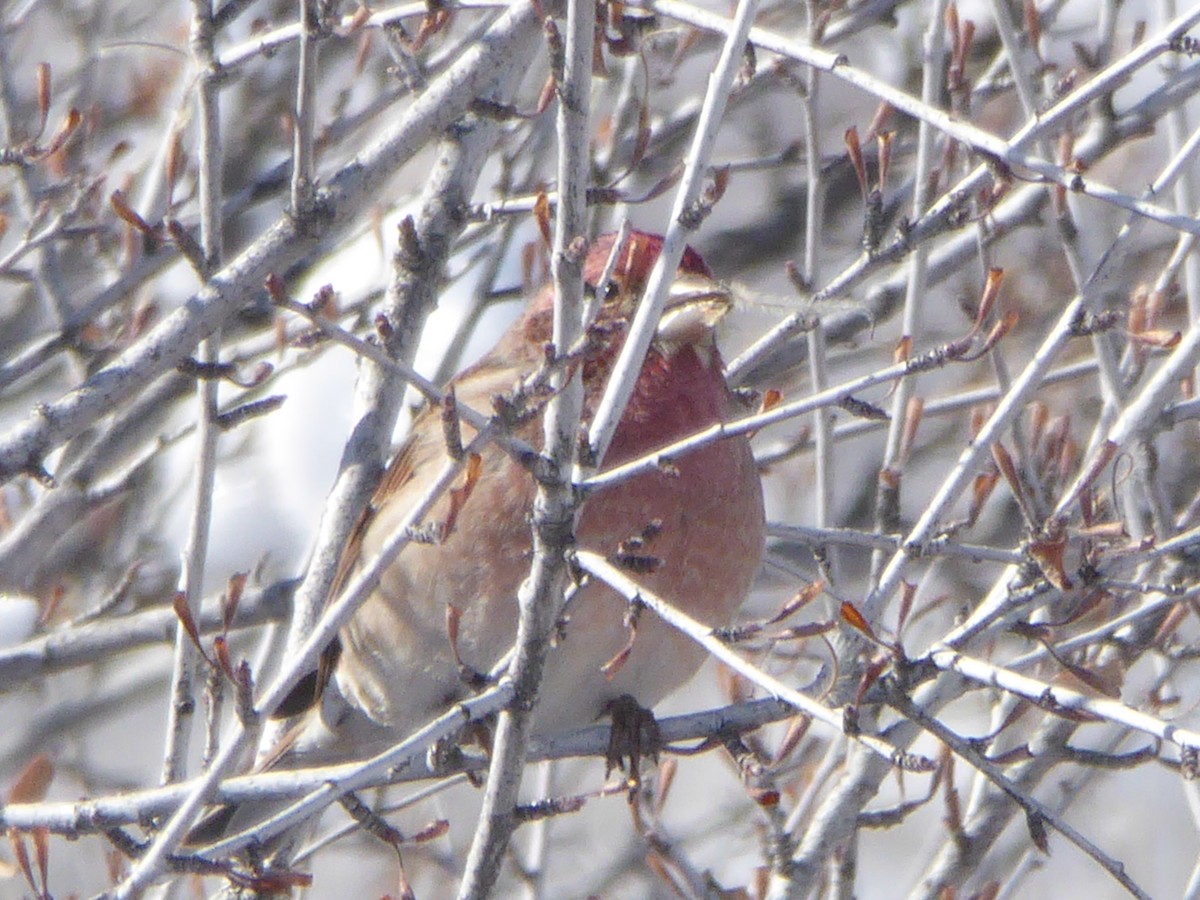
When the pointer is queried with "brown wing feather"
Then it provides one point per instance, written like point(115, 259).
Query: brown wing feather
point(308, 690)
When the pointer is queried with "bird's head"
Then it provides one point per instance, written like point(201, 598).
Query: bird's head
point(696, 303)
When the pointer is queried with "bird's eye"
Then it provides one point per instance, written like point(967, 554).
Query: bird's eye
point(611, 290)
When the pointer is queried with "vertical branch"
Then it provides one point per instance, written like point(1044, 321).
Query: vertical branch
point(183, 702)
point(887, 498)
point(555, 504)
point(539, 835)
point(822, 430)
point(814, 221)
point(306, 95)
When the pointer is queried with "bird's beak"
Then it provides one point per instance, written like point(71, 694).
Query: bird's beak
point(695, 305)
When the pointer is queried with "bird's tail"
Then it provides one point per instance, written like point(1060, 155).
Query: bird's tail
point(253, 824)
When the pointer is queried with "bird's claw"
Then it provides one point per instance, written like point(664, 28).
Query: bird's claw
point(635, 734)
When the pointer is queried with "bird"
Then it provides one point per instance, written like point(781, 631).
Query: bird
point(698, 526)
point(701, 522)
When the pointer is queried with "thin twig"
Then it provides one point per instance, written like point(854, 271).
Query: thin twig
point(182, 707)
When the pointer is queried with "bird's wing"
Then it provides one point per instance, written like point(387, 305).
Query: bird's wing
point(307, 692)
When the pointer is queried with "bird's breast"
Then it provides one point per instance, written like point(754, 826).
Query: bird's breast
point(702, 528)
